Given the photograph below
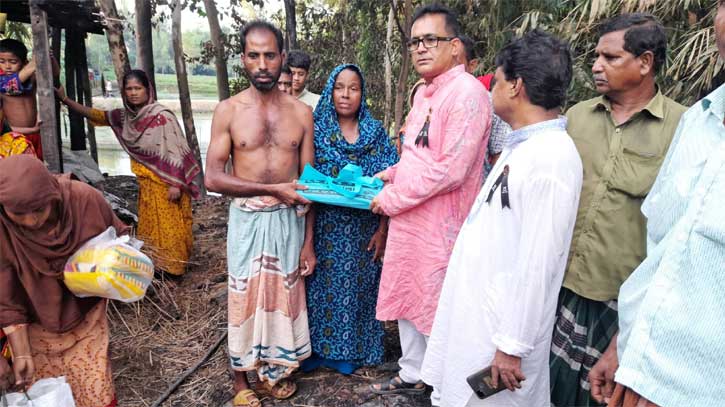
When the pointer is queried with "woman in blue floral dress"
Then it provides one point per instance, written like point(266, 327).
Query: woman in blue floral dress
point(349, 243)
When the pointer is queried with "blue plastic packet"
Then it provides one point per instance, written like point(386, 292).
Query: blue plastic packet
point(350, 189)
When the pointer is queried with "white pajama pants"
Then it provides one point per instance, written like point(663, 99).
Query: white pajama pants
point(413, 345)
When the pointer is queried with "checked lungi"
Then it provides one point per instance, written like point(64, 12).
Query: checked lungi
point(582, 333)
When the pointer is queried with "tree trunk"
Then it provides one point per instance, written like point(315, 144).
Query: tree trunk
point(388, 70)
point(291, 24)
point(217, 40)
point(114, 35)
point(183, 82)
point(343, 14)
point(144, 41)
point(44, 90)
point(401, 90)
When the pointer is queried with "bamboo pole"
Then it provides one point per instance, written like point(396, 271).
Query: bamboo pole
point(77, 134)
point(87, 97)
point(56, 34)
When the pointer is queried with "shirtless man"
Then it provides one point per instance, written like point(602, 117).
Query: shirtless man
point(17, 92)
point(269, 134)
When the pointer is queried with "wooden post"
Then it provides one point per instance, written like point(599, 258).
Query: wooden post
point(56, 33)
point(184, 96)
point(144, 41)
point(80, 94)
point(114, 35)
point(45, 91)
point(87, 96)
point(220, 60)
point(77, 135)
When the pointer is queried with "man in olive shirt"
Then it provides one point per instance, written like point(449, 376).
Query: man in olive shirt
point(622, 137)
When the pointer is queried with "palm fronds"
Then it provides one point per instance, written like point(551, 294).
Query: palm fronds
point(16, 30)
point(692, 64)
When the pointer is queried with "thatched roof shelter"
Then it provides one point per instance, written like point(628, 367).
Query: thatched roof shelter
point(76, 18)
point(78, 15)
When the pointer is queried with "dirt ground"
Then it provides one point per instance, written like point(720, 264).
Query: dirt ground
point(154, 341)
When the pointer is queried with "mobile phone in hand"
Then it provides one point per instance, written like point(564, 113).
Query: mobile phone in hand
point(482, 383)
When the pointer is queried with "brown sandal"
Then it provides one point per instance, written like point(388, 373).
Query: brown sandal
point(281, 390)
point(246, 398)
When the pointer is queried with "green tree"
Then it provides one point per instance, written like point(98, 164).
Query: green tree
point(340, 31)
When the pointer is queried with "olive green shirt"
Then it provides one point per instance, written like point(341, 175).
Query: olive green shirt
point(621, 163)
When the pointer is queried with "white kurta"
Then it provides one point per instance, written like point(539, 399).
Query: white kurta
point(504, 276)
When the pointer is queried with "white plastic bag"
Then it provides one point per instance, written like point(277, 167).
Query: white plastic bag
point(53, 392)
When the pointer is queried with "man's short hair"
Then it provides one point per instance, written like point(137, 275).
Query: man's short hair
point(14, 47)
point(643, 33)
point(468, 46)
point(261, 25)
point(452, 25)
point(299, 59)
point(544, 64)
point(286, 69)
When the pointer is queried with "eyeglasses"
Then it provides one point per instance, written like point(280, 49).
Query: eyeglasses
point(429, 41)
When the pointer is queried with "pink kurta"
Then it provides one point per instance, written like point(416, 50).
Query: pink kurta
point(430, 193)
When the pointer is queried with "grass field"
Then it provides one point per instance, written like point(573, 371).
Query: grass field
point(200, 87)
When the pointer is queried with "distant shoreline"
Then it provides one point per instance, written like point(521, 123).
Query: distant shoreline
point(197, 105)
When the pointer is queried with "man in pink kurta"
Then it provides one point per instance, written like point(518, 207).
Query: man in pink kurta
point(430, 191)
point(429, 194)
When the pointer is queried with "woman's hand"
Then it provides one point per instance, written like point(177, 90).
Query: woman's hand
point(60, 92)
point(24, 370)
point(23, 366)
point(377, 242)
point(308, 259)
point(7, 379)
point(173, 194)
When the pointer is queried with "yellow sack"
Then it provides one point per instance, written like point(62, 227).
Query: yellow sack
point(110, 267)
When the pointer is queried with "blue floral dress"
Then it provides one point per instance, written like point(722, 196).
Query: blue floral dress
point(342, 291)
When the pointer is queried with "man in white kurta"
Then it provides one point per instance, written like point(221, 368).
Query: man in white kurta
point(500, 292)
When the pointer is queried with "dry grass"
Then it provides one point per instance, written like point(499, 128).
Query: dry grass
point(155, 340)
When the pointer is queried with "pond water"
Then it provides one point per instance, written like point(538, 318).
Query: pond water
point(114, 161)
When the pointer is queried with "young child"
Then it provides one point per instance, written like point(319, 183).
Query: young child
point(17, 93)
